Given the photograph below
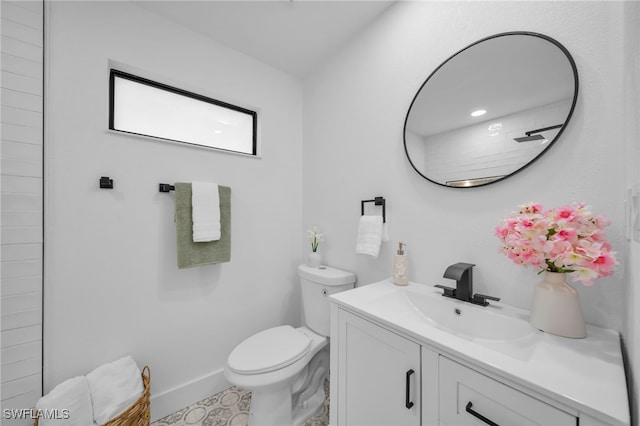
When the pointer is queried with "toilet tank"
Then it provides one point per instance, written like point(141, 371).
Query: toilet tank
point(317, 285)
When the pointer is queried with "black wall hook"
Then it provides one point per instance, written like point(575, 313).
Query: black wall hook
point(165, 187)
point(106, 182)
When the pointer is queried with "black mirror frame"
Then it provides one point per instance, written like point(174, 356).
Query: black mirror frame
point(573, 104)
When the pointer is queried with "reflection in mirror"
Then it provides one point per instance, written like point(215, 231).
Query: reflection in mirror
point(491, 109)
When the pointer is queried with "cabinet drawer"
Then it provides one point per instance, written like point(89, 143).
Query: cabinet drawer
point(465, 392)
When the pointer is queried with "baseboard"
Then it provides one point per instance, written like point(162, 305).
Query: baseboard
point(189, 393)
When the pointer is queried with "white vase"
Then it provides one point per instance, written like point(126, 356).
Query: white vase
point(314, 259)
point(556, 307)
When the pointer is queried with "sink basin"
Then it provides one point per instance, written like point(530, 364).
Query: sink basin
point(493, 322)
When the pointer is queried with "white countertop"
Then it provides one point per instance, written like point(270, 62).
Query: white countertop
point(585, 374)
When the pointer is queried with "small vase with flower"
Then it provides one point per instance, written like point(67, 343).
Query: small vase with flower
point(314, 259)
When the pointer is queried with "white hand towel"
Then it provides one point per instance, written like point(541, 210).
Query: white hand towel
point(69, 404)
point(205, 203)
point(370, 231)
point(114, 388)
point(385, 233)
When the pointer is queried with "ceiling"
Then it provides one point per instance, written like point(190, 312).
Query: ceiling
point(294, 36)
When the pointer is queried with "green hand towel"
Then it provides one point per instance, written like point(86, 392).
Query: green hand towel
point(192, 254)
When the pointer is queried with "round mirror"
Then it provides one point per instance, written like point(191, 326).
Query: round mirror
point(491, 109)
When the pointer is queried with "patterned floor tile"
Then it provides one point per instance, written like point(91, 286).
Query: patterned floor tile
point(229, 408)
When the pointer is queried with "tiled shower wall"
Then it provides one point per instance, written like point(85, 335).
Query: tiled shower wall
point(22, 203)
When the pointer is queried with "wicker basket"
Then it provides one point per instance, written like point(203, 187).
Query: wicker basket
point(140, 412)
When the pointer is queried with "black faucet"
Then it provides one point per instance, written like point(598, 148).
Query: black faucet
point(463, 274)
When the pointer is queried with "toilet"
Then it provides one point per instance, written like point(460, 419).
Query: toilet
point(285, 367)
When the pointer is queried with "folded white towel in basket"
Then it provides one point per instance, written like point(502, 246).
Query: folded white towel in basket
point(114, 388)
point(205, 202)
point(371, 232)
point(69, 404)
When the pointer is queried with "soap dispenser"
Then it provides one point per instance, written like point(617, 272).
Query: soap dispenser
point(401, 267)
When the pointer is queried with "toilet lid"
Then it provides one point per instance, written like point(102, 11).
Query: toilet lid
point(269, 350)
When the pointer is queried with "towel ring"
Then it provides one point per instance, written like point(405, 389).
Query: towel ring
point(378, 201)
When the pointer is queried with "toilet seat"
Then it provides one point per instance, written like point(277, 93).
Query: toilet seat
point(269, 350)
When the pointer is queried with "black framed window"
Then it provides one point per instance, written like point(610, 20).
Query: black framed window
point(144, 107)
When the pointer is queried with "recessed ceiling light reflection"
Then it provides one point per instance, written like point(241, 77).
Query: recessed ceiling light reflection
point(478, 112)
point(495, 128)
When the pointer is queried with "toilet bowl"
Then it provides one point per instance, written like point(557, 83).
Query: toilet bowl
point(285, 367)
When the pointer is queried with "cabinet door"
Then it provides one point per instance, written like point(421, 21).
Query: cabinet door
point(378, 375)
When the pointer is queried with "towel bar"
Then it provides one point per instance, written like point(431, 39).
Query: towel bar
point(165, 187)
point(378, 201)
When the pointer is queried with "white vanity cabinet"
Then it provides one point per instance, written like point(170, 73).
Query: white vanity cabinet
point(390, 367)
point(385, 379)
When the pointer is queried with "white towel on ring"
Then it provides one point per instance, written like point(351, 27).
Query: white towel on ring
point(205, 203)
point(371, 233)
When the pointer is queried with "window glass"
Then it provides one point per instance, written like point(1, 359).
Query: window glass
point(144, 107)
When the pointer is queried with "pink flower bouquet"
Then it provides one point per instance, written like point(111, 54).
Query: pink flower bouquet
point(566, 239)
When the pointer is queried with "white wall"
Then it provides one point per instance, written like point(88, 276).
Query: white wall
point(354, 114)
point(21, 146)
point(111, 282)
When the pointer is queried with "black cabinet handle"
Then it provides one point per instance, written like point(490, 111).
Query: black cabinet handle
point(478, 415)
point(407, 397)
